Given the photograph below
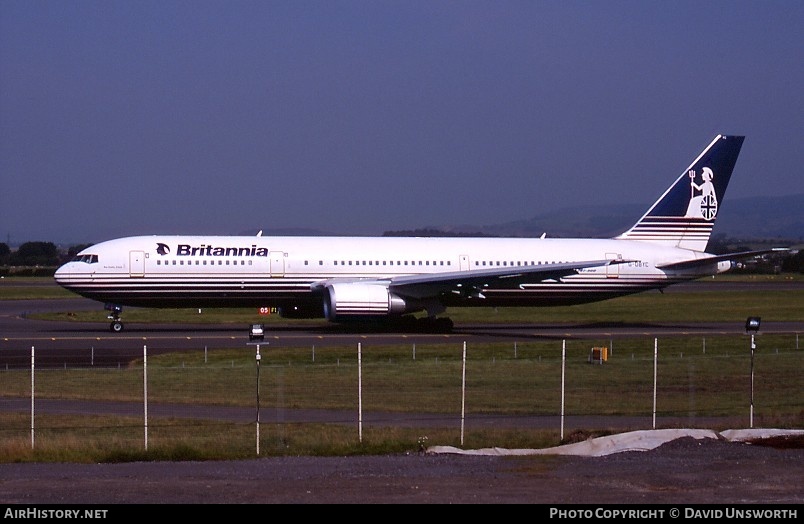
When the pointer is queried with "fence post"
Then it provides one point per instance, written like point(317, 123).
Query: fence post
point(32, 397)
point(359, 392)
point(655, 359)
point(145, 391)
point(563, 374)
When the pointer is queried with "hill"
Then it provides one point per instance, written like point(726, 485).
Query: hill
point(747, 218)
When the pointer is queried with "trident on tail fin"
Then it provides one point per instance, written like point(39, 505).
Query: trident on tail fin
point(685, 214)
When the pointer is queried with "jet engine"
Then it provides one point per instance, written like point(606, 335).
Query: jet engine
point(346, 300)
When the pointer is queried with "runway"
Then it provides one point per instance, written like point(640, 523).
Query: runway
point(54, 340)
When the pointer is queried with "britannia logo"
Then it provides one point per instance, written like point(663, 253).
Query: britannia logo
point(703, 200)
point(186, 250)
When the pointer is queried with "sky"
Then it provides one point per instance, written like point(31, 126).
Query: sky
point(358, 117)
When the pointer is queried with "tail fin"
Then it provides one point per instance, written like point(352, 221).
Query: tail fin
point(685, 214)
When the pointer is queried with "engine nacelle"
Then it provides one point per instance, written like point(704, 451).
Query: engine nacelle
point(355, 299)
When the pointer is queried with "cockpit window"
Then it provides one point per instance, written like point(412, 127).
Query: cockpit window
point(88, 259)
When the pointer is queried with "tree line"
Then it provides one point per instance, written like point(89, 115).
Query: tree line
point(32, 254)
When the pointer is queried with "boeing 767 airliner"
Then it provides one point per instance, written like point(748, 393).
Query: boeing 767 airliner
point(385, 278)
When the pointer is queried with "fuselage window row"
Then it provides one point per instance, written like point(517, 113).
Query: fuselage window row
point(479, 263)
point(386, 263)
point(507, 263)
point(203, 262)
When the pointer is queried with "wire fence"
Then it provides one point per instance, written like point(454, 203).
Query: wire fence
point(288, 400)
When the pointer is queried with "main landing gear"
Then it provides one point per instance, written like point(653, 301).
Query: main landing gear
point(116, 326)
point(437, 325)
point(411, 324)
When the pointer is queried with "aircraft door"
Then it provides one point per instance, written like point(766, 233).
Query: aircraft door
point(613, 270)
point(464, 262)
point(136, 263)
point(277, 268)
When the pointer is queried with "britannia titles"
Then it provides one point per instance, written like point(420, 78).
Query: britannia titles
point(186, 250)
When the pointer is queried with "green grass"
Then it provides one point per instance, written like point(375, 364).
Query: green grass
point(500, 378)
point(699, 380)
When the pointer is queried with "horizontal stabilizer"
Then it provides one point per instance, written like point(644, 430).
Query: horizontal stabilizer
point(687, 264)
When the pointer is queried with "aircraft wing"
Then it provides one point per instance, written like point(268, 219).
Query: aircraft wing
point(687, 264)
point(472, 283)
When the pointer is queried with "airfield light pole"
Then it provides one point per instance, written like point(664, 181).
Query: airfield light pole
point(257, 335)
point(258, 398)
point(463, 391)
point(752, 326)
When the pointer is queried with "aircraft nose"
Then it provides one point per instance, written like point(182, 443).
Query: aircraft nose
point(62, 273)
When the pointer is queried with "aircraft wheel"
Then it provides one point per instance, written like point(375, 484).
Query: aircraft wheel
point(444, 325)
point(436, 325)
point(116, 326)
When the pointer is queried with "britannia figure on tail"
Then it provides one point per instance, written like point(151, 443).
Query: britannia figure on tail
point(704, 204)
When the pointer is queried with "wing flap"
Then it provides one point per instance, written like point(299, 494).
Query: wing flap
point(471, 282)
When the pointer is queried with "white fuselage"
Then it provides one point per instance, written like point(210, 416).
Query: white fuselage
point(242, 271)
